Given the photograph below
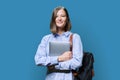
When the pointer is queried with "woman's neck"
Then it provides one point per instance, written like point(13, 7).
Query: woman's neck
point(60, 31)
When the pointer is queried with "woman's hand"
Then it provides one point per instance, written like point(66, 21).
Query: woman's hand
point(65, 56)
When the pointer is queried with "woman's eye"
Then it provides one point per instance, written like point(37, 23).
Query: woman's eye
point(63, 16)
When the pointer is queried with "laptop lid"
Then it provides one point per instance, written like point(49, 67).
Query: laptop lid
point(56, 48)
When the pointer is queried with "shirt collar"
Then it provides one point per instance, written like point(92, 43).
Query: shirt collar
point(67, 33)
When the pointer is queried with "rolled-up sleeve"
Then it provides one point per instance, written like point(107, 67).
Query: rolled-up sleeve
point(41, 57)
point(77, 51)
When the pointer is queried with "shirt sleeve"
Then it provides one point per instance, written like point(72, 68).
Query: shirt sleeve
point(77, 51)
point(41, 57)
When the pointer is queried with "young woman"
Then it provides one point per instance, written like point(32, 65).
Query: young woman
point(59, 67)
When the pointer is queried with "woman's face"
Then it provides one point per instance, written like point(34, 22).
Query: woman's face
point(61, 19)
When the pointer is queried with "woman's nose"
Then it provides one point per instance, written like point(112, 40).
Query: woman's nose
point(59, 18)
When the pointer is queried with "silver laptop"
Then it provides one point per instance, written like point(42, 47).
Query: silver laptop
point(56, 48)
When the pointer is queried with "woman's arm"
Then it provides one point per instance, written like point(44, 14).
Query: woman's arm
point(41, 57)
point(77, 55)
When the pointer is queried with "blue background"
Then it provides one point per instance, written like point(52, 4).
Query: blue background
point(23, 23)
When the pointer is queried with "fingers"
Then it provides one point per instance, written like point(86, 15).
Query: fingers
point(65, 56)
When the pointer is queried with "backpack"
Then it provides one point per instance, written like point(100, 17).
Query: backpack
point(86, 71)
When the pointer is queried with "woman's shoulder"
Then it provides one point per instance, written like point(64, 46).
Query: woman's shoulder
point(46, 37)
point(76, 35)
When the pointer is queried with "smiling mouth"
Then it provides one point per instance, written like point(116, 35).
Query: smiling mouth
point(59, 22)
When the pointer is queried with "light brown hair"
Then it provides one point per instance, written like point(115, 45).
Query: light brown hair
point(53, 27)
